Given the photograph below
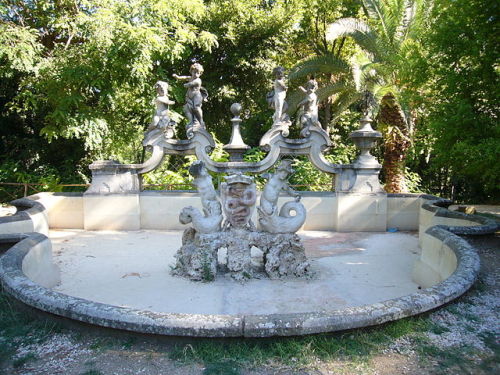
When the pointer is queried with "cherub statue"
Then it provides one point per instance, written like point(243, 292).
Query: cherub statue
point(309, 106)
point(270, 219)
point(161, 119)
point(276, 98)
point(195, 96)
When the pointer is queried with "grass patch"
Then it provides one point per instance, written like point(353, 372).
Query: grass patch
point(21, 361)
point(19, 328)
point(438, 329)
point(451, 360)
point(222, 368)
point(356, 346)
point(101, 344)
point(92, 372)
point(129, 342)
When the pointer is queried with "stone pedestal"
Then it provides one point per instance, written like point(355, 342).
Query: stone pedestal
point(361, 201)
point(110, 176)
point(354, 178)
point(283, 255)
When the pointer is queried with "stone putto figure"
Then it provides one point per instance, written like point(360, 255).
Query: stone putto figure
point(270, 219)
point(309, 107)
point(161, 123)
point(276, 98)
point(195, 96)
point(211, 219)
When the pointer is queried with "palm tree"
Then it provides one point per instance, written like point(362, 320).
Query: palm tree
point(387, 41)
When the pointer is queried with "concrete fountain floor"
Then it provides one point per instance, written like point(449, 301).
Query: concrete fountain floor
point(131, 269)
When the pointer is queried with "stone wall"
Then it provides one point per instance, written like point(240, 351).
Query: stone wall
point(439, 230)
point(159, 210)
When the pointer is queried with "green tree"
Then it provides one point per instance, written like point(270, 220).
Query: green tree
point(87, 67)
point(389, 39)
point(462, 133)
point(325, 59)
point(253, 37)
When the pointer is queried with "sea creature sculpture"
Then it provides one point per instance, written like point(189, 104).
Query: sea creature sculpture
point(270, 219)
point(210, 220)
point(283, 251)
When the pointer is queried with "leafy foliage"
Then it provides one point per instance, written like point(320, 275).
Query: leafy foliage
point(462, 101)
point(76, 81)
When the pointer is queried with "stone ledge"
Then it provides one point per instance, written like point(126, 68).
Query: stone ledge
point(18, 216)
point(27, 205)
point(487, 226)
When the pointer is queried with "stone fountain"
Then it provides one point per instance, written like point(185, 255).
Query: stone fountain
point(225, 221)
point(114, 256)
point(227, 224)
point(359, 178)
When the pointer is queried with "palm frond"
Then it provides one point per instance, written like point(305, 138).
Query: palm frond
point(333, 88)
point(323, 93)
point(376, 10)
point(406, 17)
point(319, 64)
point(375, 72)
point(365, 37)
point(423, 10)
point(343, 101)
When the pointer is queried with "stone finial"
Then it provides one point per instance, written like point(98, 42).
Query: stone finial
point(236, 109)
point(365, 139)
point(236, 147)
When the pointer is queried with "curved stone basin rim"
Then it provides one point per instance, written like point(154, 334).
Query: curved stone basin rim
point(16, 283)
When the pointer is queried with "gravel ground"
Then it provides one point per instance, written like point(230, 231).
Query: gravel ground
point(463, 338)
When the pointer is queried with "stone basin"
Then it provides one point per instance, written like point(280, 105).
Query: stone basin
point(132, 269)
point(56, 262)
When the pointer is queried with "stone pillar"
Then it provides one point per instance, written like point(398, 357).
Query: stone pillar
point(361, 201)
point(112, 200)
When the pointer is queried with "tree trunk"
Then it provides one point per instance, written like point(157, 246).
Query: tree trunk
point(328, 114)
point(392, 124)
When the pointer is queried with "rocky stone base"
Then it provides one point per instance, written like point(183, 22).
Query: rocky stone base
point(197, 259)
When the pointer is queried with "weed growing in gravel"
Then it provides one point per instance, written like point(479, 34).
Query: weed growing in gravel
point(222, 368)
point(21, 361)
point(451, 360)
